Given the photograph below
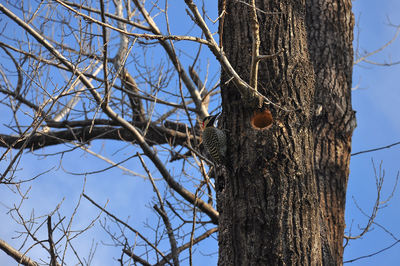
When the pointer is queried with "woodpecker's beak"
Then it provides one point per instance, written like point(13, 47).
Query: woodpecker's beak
point(210, 120)
point(213, 118)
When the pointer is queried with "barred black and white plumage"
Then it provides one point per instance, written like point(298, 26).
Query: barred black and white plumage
point(214, 140)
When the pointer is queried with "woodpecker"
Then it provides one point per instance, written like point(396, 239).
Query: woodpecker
point(214, 139)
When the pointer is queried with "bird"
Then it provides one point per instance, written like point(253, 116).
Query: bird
point(214, 139)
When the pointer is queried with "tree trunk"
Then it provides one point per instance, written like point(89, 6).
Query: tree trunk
point(283, 202)
point(330, 36)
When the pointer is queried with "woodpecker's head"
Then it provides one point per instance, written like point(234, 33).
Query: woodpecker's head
point(208, 121)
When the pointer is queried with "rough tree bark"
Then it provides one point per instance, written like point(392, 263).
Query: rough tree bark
point(283, 203)
point(330, 35)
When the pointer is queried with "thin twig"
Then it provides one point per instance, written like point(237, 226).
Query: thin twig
point(247, 91)
point(193, 226)
point(105, 55)
point(206, 208)
point(379, 203)
point(373, 254)
point(138, 35)
point(163, 214)
point(116, 17)
point(194, 92)
point(376, 149)
point(187, 245)
point(363, 58)
point(125, 224)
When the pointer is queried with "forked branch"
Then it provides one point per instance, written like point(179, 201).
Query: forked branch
point(248, 92)
point(139, 138)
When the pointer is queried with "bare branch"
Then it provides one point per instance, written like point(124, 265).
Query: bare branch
point(203, 91)
point(72, 102)
point(136, 258)
point(138, 35)
point(113, 164)
point(138, 113)
point(376, 149)
point(116, 17)
point(24, 101)
point(379, 203)
point(193, 227)
point(85, 134)
point(250, 95)
point(363, 58)
point(107, 93)
point(53, 258)
point(163, 214)
point(187, 245)
point(373, 254)
point(194, 93)
point(16, 255)
point(124, 224)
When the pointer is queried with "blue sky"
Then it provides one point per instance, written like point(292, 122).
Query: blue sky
point(376, 100)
